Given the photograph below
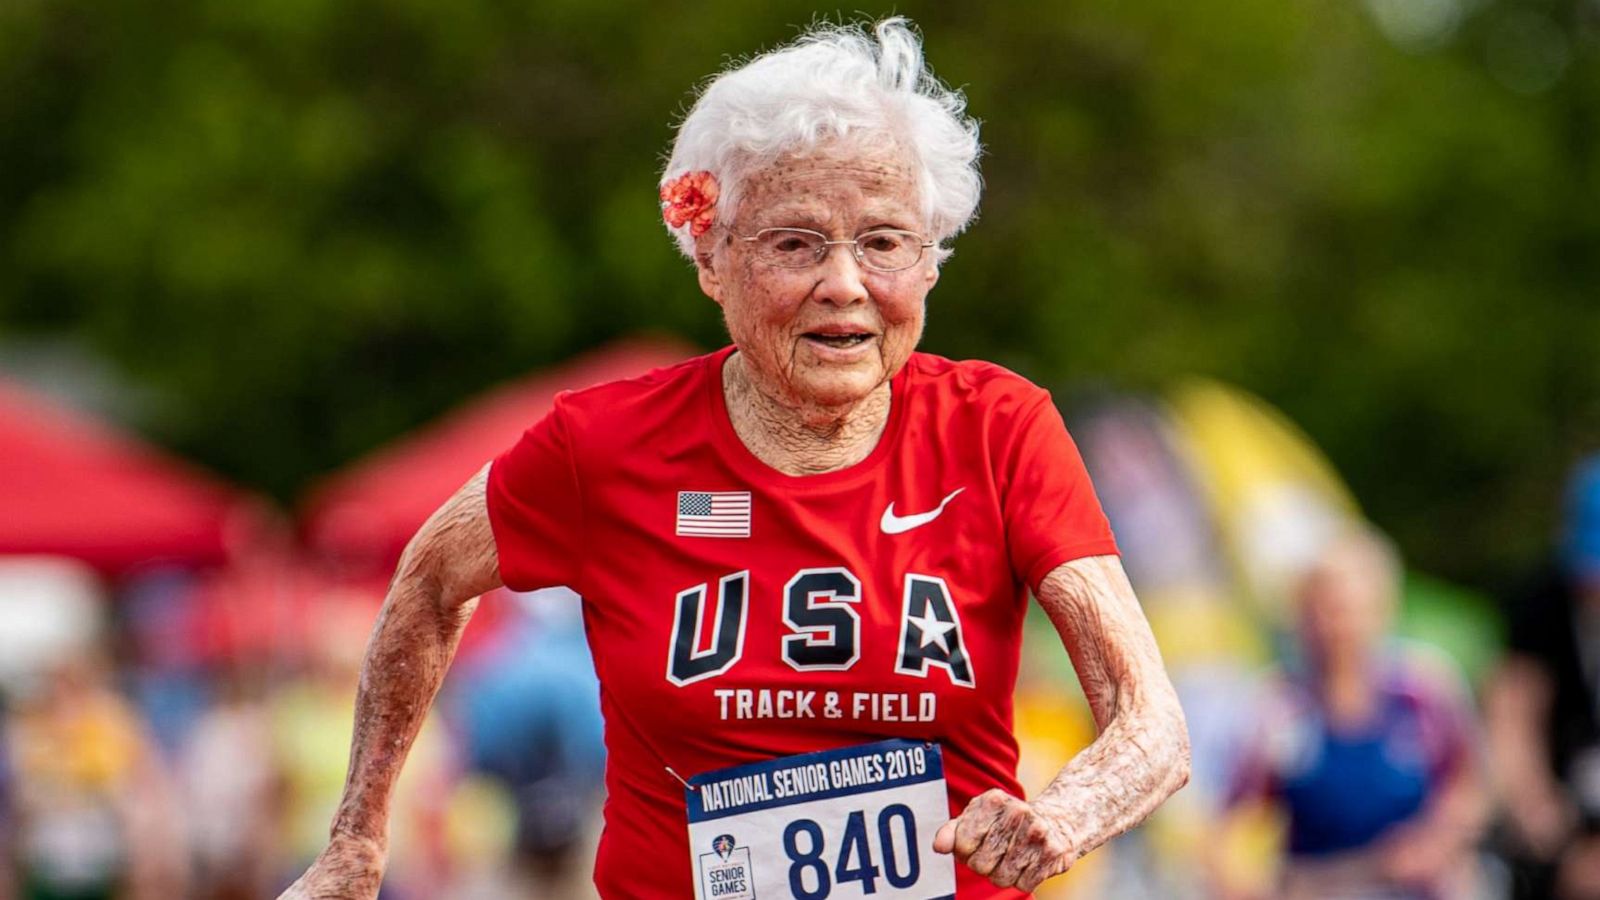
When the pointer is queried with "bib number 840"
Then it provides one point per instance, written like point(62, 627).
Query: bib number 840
point(812, 878)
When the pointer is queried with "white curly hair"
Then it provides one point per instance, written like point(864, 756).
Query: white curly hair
point(834, 82)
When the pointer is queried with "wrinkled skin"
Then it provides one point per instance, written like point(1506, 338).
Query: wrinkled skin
point(1139, 759)
point(346, 870)
point(801, 406)
point(451, 561)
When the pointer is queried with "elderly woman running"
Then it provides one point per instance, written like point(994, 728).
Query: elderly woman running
point(804, 558)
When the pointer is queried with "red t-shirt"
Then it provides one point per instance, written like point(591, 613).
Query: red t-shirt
point(738, 614)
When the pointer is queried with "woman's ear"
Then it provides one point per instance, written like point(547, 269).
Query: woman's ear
point(706, 264)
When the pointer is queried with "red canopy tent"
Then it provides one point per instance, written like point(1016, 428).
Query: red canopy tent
point(71, 486)
point(274, 606)
point(365, 514)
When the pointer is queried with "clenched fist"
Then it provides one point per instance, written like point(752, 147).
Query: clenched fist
point(1015, 843)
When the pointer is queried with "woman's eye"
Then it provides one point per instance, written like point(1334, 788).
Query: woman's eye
point(791, 244)
point(882, 243)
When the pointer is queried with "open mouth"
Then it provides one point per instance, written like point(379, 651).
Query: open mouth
point(839, 341)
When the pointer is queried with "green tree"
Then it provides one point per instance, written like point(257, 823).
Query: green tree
point(309, 225)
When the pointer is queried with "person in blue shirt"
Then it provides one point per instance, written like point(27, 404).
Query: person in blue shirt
point(1366, 746)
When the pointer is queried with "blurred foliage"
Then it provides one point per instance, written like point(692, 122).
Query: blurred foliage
point(310, 225)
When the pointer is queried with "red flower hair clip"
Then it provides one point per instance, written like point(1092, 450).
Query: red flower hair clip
point(690, 198)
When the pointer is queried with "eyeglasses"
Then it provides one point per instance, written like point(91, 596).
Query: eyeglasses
point(881, 249)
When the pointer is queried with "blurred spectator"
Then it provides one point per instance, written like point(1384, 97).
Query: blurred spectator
point(1544, 729)
point(530, 712)
point(156, 617)
point(232, 792)
point(95, 816)
point(1365, 746)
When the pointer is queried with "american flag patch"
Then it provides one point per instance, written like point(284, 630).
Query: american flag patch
point(714, 514)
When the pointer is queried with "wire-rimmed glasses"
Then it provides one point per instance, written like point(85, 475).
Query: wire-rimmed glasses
point(880, 249)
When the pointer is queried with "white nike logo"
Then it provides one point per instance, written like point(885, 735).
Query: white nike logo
point(893, 524)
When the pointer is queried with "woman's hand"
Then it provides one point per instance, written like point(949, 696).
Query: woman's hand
point(1014, 842)
point(347, 870)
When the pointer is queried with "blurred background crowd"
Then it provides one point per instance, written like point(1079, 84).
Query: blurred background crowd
point(1316, 286)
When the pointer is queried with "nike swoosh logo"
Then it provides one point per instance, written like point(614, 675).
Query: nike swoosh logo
point(893, 524)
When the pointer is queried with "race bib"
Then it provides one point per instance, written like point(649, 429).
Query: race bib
point(835, 825)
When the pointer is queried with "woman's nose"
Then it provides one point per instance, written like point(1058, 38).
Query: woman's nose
point(841, 279)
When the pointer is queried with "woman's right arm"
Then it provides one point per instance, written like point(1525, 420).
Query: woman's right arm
point(447, 565)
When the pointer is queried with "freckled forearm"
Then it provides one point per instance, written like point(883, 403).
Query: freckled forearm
point(1142, 753)
point(1115, 783)
point(451, 560)
point(407, 657)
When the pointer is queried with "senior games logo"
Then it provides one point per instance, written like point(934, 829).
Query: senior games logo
point(725, 871)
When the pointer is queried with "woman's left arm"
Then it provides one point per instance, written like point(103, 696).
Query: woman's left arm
point(1139, 759)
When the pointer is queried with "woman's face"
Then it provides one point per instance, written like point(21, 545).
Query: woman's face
point(826, 335)
point(1346, 601)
